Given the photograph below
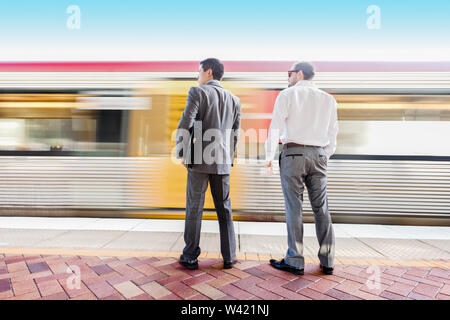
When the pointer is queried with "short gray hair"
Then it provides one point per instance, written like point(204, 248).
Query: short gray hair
point(306, 68)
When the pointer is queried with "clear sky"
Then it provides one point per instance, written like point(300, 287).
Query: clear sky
point(230, 30)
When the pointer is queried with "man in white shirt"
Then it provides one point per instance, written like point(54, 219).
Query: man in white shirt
point(305, 118)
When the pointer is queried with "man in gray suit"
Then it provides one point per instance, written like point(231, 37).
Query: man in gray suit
point(306, 119)
point(206, 142)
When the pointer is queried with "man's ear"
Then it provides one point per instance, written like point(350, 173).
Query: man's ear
point(300, 75)
point(210, 73)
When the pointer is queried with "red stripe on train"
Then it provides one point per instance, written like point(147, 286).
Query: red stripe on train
point(230, 66)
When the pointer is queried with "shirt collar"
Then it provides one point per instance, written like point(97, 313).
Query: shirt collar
point(305, 83)
point(214, 83)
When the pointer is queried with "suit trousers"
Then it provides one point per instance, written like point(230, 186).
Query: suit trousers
point(197, 184)
point(300, 166)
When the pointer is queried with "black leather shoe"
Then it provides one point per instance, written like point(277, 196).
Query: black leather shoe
point(281, 265)
point(229, 264)
point(326, 270)
point(189, 264)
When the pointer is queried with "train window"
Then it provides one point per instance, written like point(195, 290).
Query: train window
point(393, 124)
point(53, 124)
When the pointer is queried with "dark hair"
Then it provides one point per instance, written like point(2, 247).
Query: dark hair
point(215, 65)
point(306, 68)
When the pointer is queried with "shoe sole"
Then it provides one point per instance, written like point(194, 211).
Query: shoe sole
point(189, 266)
point(296, 272)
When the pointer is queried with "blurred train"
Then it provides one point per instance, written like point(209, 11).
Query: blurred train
point(96, 139)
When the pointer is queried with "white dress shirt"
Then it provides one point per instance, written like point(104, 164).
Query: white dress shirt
point(303, 114)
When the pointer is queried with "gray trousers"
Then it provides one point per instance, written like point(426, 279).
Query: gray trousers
point(197, 184)
point(300, 166)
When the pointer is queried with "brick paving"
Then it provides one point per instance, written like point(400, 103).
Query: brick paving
point(55, 277)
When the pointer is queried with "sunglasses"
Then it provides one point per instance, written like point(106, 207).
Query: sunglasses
point(291, 71)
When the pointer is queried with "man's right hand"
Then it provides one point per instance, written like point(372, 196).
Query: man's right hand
point(269, 168)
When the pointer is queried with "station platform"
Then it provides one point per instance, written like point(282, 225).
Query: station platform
point(138, 259)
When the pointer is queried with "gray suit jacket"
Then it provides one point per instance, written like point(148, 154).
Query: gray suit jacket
point(209, 129)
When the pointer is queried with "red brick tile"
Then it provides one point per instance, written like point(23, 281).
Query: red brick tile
point(34, 295)
point(352, 277)
point(348, 286)
point(247, 282)
point(115, 296)
point(207, 263)
point(288, 294)
point(332, 277)
point(389, 277)
point(423, 280)
point(323, 285)
point(255, 271)
point(49, 288)
point(227, 297)
point(339, 295)
point(116, 280)
point(6, 294)
point(73, 291)
point(418, 272)
point(144, 296)
point(215, 273)
point(437, 279)
point(374, 290)
point(297, 284)
point(182, 290)
point(171, 296)
point(146, 269)
point(353, 270)
point(445, 289)
point(226, 279)
point(17, 266)
point(393, 296)
point(272, 283)
point(395, 271)
point(400, 288)
point(441, 273)
point(102, 289)
point(237, 273)
point(38, 267)
point(313, 294)
point(102, 269)
point(199, 279)
point(5, 285)
point(56, 296)
point(192, 273)
point(174, 278)
point(23, 287)
point(426, 290)
point(417, 296)
point(143, 280)
point(443, 297)
point(235, 292)
point(52, 277)
point(311, 277)
point(15, 259)
point(200, 297)
point(263, 293)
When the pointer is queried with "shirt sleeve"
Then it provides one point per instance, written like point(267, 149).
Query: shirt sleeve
point(279, 115)
point(332, 132)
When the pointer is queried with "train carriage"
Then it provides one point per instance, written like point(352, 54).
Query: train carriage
point(96, 139)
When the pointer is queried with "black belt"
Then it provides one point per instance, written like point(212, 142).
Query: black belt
point(293, 145)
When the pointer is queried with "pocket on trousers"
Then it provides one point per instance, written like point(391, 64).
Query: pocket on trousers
point(323, 159)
